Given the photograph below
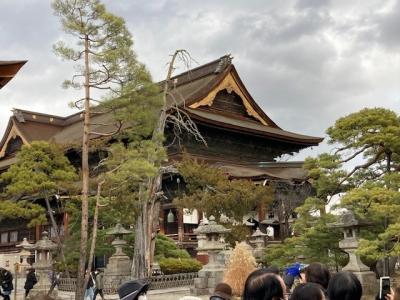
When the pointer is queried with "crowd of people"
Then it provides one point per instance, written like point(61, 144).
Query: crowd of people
point(311, 282)
point(315, 282)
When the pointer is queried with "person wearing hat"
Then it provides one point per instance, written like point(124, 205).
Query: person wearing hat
point(222, 292)
point(133, 290)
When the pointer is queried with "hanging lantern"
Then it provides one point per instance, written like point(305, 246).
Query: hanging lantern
point(170, 217)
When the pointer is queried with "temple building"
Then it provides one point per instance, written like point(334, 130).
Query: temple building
point(241, 139)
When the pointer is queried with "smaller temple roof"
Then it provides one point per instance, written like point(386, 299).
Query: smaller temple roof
point(8, 69)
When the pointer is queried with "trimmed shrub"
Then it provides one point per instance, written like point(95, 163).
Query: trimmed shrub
point(179, 265)
point(166, 248)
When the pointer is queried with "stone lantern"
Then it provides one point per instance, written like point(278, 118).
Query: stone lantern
point(24, 254)
point(43, 264)
point(119, 264)
point(351, 229)
point(257, 240)
point(212, 273)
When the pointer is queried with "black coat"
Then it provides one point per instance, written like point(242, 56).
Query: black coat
point(6, 279)
point(30, 281)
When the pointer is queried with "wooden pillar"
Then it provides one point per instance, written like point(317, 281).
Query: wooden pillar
point(261, 212)
point(200, 214)
point(37, 232)
point(181, 233)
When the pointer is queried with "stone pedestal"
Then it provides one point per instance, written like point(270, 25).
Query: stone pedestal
point(206, 282)
point(118, 265)
point(368, 283)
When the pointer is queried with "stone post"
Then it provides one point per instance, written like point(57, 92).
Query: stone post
point(119, 264)
point(212, 273)
point(349, 244)
point(43, 265)
point(24, 254)
point(257, 240)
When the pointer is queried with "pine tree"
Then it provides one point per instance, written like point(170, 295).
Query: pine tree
point(241, 264)
point(364, 168)
point(42, 171)
point(211, 190)
point(108, 63)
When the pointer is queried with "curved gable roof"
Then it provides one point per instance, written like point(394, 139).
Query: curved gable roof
point(8, 69)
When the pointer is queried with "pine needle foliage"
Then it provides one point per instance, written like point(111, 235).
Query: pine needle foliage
point(211, 190)
point(363, 168)
point(41, 171)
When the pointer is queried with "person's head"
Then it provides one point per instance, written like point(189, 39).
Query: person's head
point(308, 291)
point(317, 273)
point(344, 286)
point(271, 269)
point(222, 291)
point(264, 286)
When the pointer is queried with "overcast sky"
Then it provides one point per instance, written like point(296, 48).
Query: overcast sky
point(306, 62)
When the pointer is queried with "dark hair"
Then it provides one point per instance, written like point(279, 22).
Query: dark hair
point(317, 273)
point(344, 286)
point(271, 269)
point(307, 291)
point(264, 286)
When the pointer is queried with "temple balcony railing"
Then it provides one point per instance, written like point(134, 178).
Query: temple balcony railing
point(187, 239)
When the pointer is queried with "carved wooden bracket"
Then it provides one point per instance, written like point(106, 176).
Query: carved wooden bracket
point(229, 83)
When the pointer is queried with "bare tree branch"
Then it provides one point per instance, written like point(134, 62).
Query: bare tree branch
point(356, 153)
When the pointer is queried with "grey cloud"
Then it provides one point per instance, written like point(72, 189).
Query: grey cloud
point(306, 62)
point(389, 26)
point(313, 4)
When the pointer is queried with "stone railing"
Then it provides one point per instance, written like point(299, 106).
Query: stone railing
point(156, 282)
point(171, 281)
point(67, 284)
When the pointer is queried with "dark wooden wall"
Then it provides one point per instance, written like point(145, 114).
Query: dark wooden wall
point(223, 145)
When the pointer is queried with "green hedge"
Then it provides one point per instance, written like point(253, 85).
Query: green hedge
point(179, 265)
point(166, 248)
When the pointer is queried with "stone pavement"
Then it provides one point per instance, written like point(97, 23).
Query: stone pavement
point(165, 294)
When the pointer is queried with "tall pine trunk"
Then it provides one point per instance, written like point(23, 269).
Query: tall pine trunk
point(94, 232)
point(140, 264)
point(85, 180)
point(147, 221)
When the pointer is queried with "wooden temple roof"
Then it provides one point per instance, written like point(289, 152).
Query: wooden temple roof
point(196, 91)
point(8, 69)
